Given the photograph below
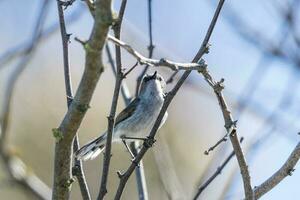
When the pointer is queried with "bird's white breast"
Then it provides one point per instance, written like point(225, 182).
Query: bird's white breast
point(143, 118)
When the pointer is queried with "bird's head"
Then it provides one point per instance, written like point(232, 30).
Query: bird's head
point(152, 84)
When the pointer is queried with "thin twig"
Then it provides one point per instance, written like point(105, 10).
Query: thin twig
point(150, 48)
point(130, 69)
point(110, 130)
point(158, 63)
point(223, 139)
point(140, 174)
point(140, 177)
point(140, 171)
point(171, 78)
point(67, 130)
point(229, 123)
point(66, 3)
point(169, 97)
point(111, 117)
point(252, 83)
point(127, 98)
point(77, 169)
point(124, 89)
point(216, 173)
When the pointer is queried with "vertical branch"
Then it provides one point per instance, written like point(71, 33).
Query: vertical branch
point(139, 171)
point(111, 117)
point(77, 168)
point(124, 89)
point(230, 126)
point(67, 130)
point(110, 130)
point(229, 123)
point(150, 47)
point(140, 174)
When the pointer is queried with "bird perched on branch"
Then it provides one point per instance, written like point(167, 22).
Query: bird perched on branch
point(136, 120)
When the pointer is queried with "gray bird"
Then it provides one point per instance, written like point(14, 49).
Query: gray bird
point(136, 120)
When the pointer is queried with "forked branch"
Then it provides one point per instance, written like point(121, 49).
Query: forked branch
point(162, 62)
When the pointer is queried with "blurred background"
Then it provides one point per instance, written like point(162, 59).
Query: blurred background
point(255, 48)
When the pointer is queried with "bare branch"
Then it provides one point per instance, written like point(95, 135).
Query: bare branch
point(76, 112)
point(110, 130)
point(140, 174)
point(150, 47)
point(286, 170)
point(124, 89)
point(223, 139)
point(140, 177)
point(111, 117)
point(77, 169)
point(230, 126)
point(139, 171)
point(214, 175)
point(162, 62)
point(171, 78)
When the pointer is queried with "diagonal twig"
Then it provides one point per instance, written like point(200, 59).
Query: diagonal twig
point(286, 170)
point(216, 173)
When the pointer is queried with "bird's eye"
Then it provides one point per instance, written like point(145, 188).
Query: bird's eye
point(146, 79)
point(159, 78)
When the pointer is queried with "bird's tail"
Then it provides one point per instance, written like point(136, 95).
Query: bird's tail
point(92, 149)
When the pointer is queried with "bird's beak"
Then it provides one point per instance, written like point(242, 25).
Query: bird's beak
point(154, 75)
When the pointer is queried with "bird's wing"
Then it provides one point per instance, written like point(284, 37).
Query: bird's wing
point(128, 111)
